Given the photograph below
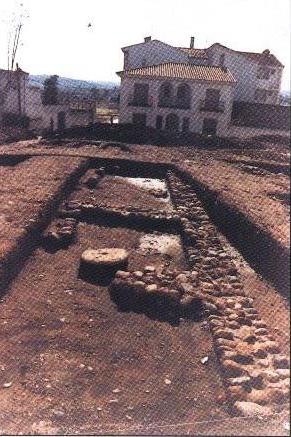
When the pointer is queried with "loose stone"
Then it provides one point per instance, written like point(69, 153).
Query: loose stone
point(149, 269)
point(232, 369)
point(152, 288)
point(251, 409)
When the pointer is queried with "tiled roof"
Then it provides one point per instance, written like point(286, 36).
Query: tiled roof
point(182, 71)
point(195, 53)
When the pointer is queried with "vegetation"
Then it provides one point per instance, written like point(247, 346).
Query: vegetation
point(15, 120)
point(50, 91)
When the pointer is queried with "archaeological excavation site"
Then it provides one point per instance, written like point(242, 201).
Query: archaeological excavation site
point(144, 289)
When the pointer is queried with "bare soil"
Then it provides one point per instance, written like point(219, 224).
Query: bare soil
point(72, 362)
point(80, 365)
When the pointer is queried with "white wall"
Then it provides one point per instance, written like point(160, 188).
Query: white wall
point(196, 116)
point(9, 94)
point(152, 53)
point(243, 69)
point(245, 73)
point(41, 115)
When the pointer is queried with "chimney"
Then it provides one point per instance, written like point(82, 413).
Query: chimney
point(147, 39)
point(192, 42)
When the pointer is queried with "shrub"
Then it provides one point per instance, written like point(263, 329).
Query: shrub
point(15, 120)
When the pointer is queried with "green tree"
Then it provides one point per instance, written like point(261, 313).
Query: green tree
point(50, 92)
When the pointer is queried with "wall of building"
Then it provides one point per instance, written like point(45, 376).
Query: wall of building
point(245, 72)
point(152, 53)
point(252, 132)
point(195, 115)
point(13, 91)
point(41, 115)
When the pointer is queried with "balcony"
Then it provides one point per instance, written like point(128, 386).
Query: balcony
point(212, 106)
point(141, 102)
point(174, 103)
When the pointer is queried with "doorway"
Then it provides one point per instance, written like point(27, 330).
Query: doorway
point(61, 120)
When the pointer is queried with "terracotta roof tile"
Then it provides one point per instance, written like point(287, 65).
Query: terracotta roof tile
point(195, 53)
point(182, 71)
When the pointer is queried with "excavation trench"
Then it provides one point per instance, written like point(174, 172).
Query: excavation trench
point(263, 253)
point(94, 358)
point(120, 363)
point(23, 247)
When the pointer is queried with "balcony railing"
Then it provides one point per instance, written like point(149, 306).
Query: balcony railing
point(174, 103)
point(212, 106)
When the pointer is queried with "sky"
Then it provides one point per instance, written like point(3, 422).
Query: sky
point(56, 39)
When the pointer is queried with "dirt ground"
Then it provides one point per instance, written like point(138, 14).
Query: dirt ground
point(80, 365)
point(256, 196)
point(70, 360)
point(116, 191)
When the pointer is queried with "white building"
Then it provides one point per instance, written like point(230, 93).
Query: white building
point(178, 97)
point(18, 97)
point(258, 75)
point(13, 86)
point(74, 112)
point(185, 88)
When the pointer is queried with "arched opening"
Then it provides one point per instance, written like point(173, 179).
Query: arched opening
point(183, 96)
point(165, 94)
point(172, 123)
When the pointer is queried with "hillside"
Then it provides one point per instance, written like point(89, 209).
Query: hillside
point(65, 83)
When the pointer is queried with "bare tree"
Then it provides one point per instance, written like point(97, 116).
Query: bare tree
point(16, 22)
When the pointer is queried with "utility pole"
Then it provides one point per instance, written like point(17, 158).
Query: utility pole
point(18, 77)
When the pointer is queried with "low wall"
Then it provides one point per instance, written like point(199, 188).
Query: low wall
point(43, 114)
point(249, 132)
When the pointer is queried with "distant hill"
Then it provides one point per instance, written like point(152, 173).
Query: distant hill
point(66, 83)
point(101, 90)
point(285, 98)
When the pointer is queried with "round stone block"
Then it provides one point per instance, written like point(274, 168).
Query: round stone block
point(98, 264)
point(104, 257)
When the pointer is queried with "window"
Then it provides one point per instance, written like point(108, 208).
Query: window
point(61, 120)
point(185, 124)
point(159, 122)
point(272, 93)
point(212, 98)
point(172, 122)
point(167, 89)
point(183, 96)
point(261, 95)
point(209, 126)
point(165, 94)
point(139, 119)
point(263, 73)
point(141, 94)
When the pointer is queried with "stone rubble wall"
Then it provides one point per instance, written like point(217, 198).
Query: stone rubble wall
point(256, 374)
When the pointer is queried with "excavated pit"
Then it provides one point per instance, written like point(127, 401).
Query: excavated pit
point(152, 359)
point(149, 364)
